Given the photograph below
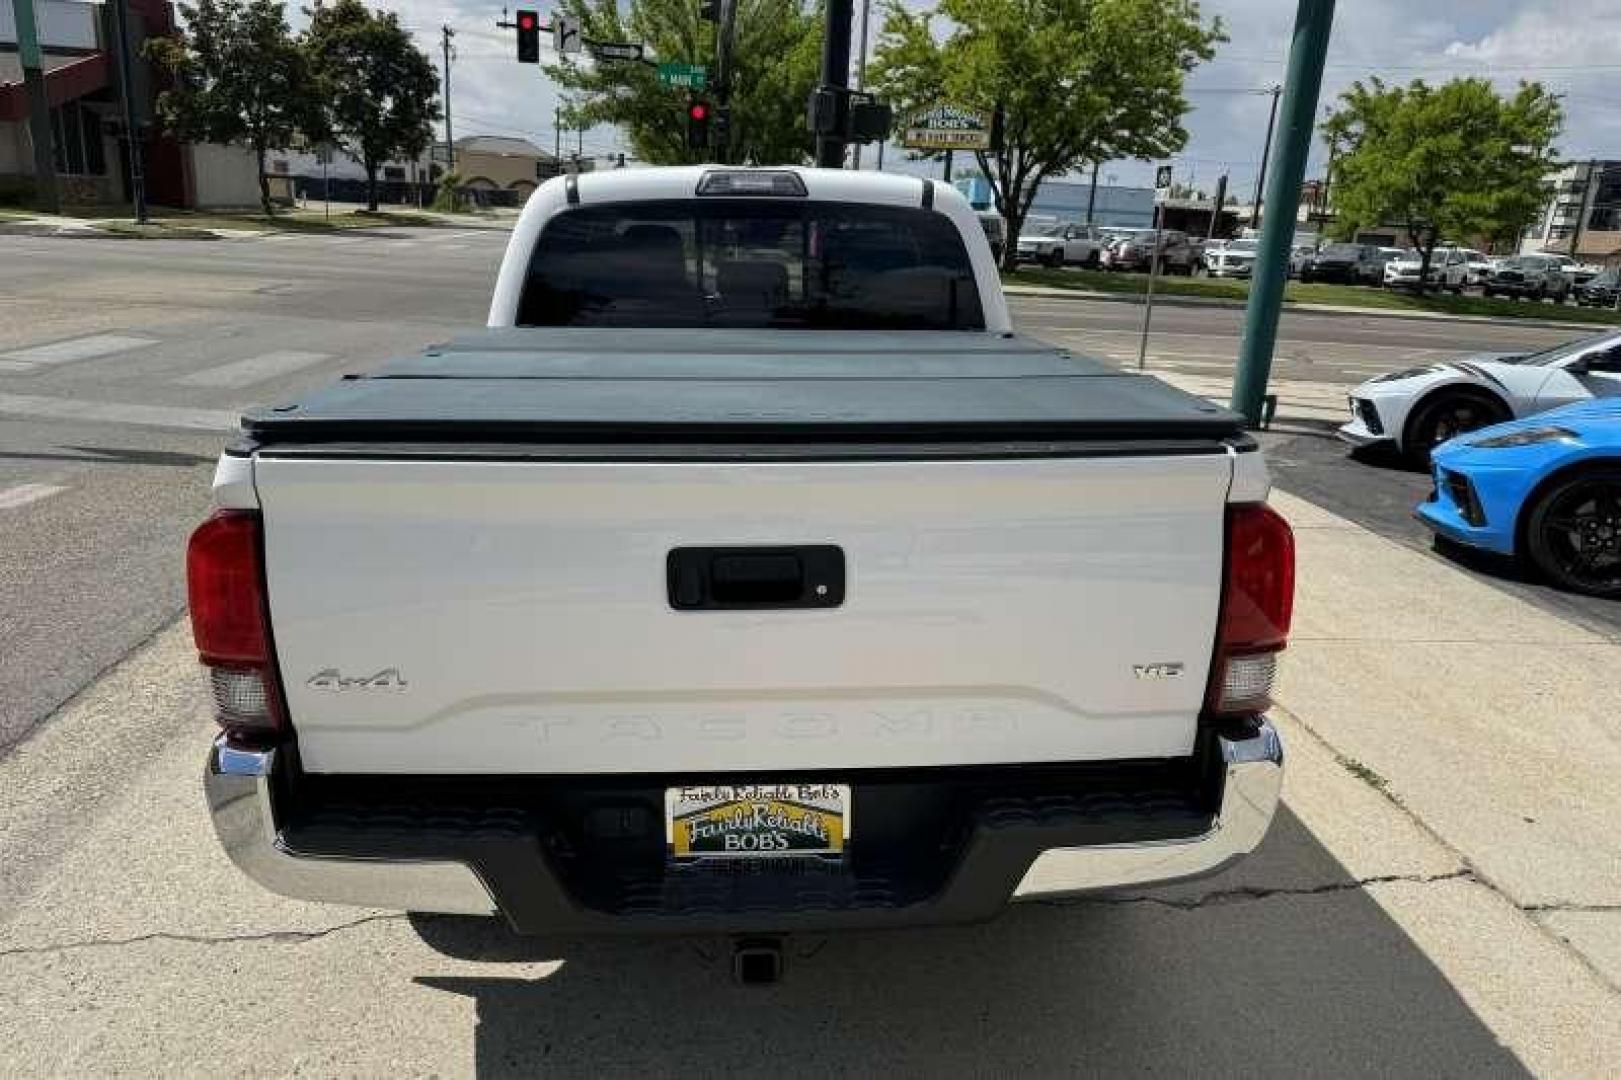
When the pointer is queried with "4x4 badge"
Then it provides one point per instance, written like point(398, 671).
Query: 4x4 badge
point(332, 679)
point(1158, 671)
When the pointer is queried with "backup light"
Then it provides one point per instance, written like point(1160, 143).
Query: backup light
point(1257, 605)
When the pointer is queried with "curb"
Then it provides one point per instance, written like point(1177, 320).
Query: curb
point(1047, 291)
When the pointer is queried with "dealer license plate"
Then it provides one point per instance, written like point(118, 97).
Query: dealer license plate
point(748, 821)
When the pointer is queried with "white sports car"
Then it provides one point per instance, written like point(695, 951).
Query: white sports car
point(1419, 408)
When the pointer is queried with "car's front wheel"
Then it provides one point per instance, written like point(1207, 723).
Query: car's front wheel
point(1055, 258)
point(1446, 415)
point(1574, 534)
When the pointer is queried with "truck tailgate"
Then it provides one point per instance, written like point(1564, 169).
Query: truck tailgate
point(514, 616)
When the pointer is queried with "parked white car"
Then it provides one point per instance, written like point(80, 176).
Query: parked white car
point(1449, 269)
point(1418, 408)
point(1235, 258)
point(1299, 256)
point(1061, 243)
point(1579, 273)
point(1478, 266)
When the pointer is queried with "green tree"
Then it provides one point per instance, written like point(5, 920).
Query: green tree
point(238, 77)
point(776, 56)
point(1075, 81)
point(1453, 161)
point(380, 91)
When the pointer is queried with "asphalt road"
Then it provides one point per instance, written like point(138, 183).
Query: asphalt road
point(124, 363)
point(107, 444)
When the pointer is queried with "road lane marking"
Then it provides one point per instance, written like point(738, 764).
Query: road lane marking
point(255, 369)
point(23, 494)
point(115, 413)
point(82, 348)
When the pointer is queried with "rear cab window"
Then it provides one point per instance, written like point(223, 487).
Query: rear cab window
point(752, 263)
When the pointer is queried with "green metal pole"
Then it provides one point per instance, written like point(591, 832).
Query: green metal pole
point(39, 110)
point(1313, 21)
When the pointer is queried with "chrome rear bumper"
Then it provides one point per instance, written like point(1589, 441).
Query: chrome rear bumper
point(1249, 799)
point(241, 789)
point(241, 800)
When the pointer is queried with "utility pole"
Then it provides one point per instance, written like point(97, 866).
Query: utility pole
point(861, 79)
point(1266, 152)
point(1314, 21)
point(557, 134)
point(1092, 194)
point(946, 175)
point(450, 143)
point(39, 108)
point(836, 77)
point(725, 35)
point(132, 133)
point(1219, 201)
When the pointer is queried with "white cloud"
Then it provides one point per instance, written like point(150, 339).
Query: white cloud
point(1563, 35)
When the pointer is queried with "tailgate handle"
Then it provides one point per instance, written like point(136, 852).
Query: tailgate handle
point(734, 578)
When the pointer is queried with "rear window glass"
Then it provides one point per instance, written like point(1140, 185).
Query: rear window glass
point(1342, 251)
point(751, 263)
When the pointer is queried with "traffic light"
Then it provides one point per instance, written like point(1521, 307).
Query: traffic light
point(720, 119)
point(528, 37)
point(698, 124)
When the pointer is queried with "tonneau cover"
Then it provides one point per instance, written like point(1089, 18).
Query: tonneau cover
point(592, 385)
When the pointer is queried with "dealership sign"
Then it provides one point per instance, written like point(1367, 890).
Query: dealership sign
point(946, 127)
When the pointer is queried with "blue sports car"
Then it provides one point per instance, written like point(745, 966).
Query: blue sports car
point(1547, 488)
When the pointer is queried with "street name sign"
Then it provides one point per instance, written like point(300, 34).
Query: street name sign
point(683, 76)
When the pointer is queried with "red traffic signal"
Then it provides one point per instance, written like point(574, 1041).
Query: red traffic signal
point(528, 37)
point(697, 125)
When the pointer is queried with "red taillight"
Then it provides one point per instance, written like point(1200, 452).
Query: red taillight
point(225, 590)
point(1256, 605)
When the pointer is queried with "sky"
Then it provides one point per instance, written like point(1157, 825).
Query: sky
point(1571, 46)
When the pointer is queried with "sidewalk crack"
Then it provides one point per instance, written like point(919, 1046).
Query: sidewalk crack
point(1248, 893)
point(1557, 907)
point(279, 937)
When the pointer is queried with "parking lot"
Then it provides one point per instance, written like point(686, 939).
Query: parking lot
point(1441, 894)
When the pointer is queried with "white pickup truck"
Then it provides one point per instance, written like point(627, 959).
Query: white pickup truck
point(747, 574)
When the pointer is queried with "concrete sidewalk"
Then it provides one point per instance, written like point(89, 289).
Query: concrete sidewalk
point(1441, 895)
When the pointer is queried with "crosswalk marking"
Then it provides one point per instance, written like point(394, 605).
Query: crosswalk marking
point(23, 494)
point(81, 348)
point(115, 413)
point(255, 369)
